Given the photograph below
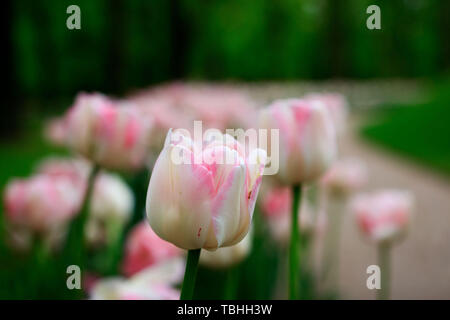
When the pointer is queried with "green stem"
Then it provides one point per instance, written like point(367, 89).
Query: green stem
point(385, 266)
point(232, 282)
point(40, 253)
point(187, 290)
point(76, 234)
point(112, 250)
point(293, 249)
point(40, 256)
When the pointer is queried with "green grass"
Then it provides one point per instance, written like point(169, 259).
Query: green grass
point(418, 131)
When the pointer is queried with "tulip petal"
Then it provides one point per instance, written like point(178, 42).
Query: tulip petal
point(179, 200)
point(226, 206)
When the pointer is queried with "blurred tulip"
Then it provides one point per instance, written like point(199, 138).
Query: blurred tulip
point(110, 208)
point(228, 256)
point(307, 138)
point(111, 134)
point(75, 169)
point(177, 105)
point(144, 248)
point(44, 203)
point(112, 201)
point(336, 104)
point(41, 203)
point(345, 176)
point(207, 203)
point(383, 215)
point(277, 205)
point(153, 283)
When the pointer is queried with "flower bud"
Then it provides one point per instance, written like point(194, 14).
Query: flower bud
point(112, 200)
point(110, 208)
point(108, 133)
point(307, 145)
point(383, 215)
point(202, 194)
point(336, 105)
point(41, 203)
point(345, 176)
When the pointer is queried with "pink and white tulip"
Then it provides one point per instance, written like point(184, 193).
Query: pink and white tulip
point(207, 199)
point(307, 138)
point(112, 134)
point(345, 176)
point(110, 209)
point(41, 203)
point(178, 105)
point(144, 249)
point(336, 104)
point(75, 169)
point(383, 215)
point(112, 201)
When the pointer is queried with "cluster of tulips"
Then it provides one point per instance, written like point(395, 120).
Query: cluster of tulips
point(203, 205)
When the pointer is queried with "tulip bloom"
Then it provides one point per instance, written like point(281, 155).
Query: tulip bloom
point(75, 169)
point(384, 215)
point(144, 248)
point(337, 106)
point(177, 105)
point(112, 200)
point(307, 148)
point(42, 205)
point(307, 138)
point(202, 195)
point(110, 208)
point(345, 176)
point(41, 202)
point(110, 134)
point(207, 203)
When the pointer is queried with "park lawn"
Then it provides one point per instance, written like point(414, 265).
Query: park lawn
point(418, 131)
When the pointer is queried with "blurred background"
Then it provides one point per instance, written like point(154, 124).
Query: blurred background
point(396, 81)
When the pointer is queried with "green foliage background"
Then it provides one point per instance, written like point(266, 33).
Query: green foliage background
point(130, 44)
